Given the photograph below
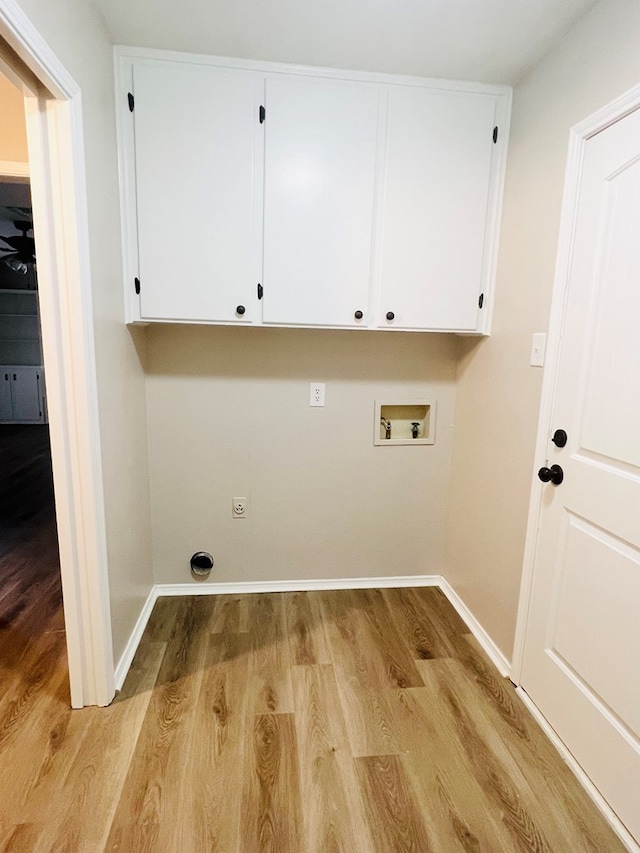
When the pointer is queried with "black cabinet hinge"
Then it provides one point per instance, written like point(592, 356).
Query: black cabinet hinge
point(495, 133)
point(481, 300)
point(260, 291)
point(263, 114)
point(131, 101)
point(136, 282)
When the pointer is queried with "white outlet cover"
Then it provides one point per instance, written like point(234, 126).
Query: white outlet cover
point(316, 394)
point(239, 507)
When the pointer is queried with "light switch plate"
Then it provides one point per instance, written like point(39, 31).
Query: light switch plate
point(538, 346)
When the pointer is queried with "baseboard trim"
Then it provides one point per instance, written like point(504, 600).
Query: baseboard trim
point(248, 587)
point(499, 660)
point(126, 659)
point(295, 585)
point(610, 816)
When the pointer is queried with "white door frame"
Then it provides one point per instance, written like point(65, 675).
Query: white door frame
point(578, 136)
point(56, 159)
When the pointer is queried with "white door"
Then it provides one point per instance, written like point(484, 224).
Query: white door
point(320, 171)
point(25, 394)
point(581, 663)
point(437, 182)
point(198, 179)
point(6, 406)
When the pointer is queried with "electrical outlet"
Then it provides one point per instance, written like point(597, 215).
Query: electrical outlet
point(316, 394)
point(239, 508)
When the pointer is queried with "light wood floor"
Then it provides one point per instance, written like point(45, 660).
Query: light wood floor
point(329, 721)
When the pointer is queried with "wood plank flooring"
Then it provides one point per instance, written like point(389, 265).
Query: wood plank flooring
point(356, 721)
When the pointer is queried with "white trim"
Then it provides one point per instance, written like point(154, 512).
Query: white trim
point(199, 588)
point(127, 191)
point(14, 169)
point(610, 816)
point(56, 156)
point(126, 52)
point(494, 212)
point(126, 659)
point(248, 587)
point(499, 660)
point(578, 136)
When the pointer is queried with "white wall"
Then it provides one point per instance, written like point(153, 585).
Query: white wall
point(13, 131)
point(229, 416)
point(491, 41)
point(74, 31)
point(498, 393)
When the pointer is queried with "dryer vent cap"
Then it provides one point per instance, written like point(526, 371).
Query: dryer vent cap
point(201, 563)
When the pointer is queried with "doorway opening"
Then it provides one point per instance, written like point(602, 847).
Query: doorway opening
point(54, 129)
point(32, 635)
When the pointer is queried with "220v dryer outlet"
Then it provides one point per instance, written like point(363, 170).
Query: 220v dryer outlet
point(239, 508)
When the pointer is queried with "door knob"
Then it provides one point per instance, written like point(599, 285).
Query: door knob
point(390, 315)
point(358, 315)
point(240, 310)
point(559, 438)
point(554, 475)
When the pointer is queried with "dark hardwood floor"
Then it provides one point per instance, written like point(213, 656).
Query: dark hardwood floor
point(26, 482)
point(31, 617)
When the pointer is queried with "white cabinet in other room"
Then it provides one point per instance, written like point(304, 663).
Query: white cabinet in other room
point(435, 237)
point(320, 179)
point(22, 397)
point(197, 179)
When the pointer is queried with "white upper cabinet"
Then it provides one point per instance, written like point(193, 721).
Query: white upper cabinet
point(434, 237)
point(273, 195)
point(196, 185)
point(320, 177)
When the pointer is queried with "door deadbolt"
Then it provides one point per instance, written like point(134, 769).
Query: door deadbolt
point(559, 438)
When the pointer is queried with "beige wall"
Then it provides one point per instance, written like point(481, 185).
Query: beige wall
point(73, 29)
point(498, 392)
point(229, 416)
point(13, 133)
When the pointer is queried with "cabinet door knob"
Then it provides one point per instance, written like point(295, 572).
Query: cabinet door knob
point(240, 310)
point(390, 315)
point(358, 315)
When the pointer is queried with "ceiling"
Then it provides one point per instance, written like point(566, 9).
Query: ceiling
point(485, 40)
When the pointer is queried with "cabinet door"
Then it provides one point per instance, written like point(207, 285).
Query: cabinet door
point(196, 134)
point(25, 393)
point(436, 193)
point(320, 163)
point(6, 407)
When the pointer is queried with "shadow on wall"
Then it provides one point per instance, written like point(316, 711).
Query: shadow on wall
point(321, 354)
